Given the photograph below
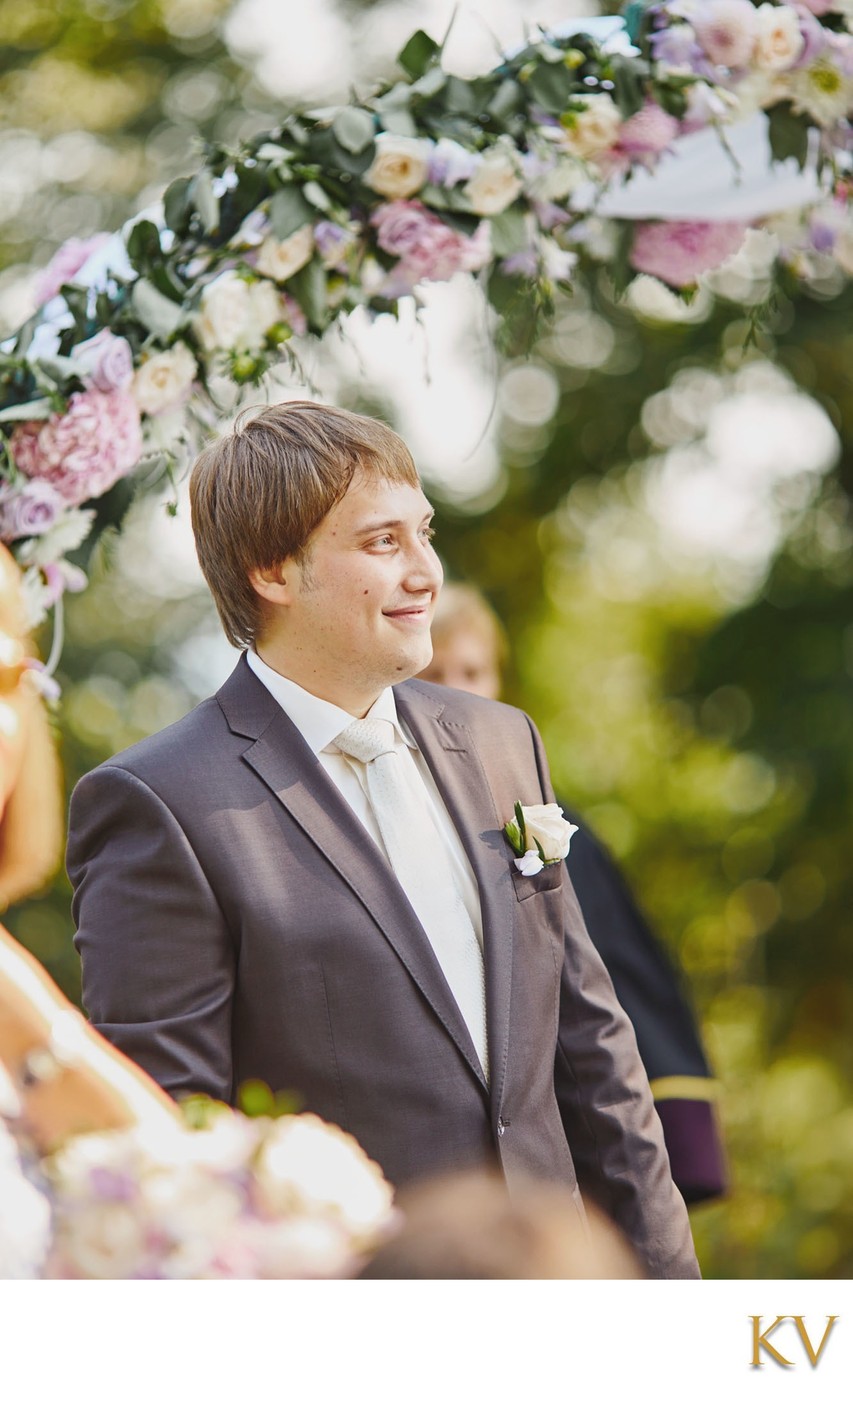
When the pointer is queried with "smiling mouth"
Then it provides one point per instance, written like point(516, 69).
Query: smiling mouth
point(415, 613)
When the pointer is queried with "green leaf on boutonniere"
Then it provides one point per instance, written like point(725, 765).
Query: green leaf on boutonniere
point(513, 834)
point(519, 817)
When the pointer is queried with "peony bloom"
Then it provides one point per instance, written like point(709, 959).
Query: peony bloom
point(106, 361)
point(400, 166)
point(85, 451)
point(28, 511)
point(779, 42)
point(66, 262)
point(678, 251)
point(726, 30)
point(279, 259)
point(428, 248)
point(494, 185)
point(164, 379)
point(649, 132)
point(594, 130)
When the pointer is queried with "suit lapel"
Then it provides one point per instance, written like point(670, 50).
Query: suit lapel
point(454, 761)
point(279, 755)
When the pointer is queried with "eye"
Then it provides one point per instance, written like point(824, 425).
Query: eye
point(428, 533)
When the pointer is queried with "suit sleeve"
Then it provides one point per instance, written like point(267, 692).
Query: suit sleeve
point(158, 959)
point(614, 1133)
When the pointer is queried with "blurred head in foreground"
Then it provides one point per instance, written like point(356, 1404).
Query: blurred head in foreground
point(469, 646)
point(467, 1226)
point(57, 1076)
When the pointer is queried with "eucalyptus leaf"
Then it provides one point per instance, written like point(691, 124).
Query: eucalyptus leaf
point(430, 84)
point(289, 211)
point(271, 151)
point(418, 54)
point(40, 409)
point(629, 91)
point(205, 200)
point(316, 196)
point(788, 133)
point(176, 204)
point(354, 129)
point(551, 86)
point(509, 232)
point(508, 98)
point(158, 313)
point(143, 245)
point(308, 287)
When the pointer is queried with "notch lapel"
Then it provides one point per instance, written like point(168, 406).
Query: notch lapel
point(454, 761)
point(282, 759)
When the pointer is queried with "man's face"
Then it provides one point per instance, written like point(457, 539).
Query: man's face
point(465, 659)
point(361, 601)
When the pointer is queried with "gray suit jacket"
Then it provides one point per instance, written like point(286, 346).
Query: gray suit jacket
point(235, 921)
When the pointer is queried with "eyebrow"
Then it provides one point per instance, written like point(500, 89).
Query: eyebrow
point(366, 528)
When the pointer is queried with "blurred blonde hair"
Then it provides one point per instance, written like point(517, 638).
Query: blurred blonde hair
point(463, 608)
point(469, 1225)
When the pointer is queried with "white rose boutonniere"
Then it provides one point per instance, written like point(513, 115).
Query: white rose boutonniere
point(539, 835)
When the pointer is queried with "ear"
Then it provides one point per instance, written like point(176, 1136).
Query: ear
point(274, 584)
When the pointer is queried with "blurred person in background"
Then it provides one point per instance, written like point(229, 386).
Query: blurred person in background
point(469, 1226)
point(471, 651)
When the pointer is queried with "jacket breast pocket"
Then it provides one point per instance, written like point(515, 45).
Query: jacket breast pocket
point(548, 878)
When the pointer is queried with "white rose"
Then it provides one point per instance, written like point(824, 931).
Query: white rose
point(545, 824)
point(265, 309)
point(235, 315)
point(779, 41)
point(494, 185)
point(224, 314)
point(163, 379)
point(279, 259)
point(400, 166)
point(595, 129)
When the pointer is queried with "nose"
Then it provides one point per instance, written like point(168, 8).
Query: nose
point(423, 569)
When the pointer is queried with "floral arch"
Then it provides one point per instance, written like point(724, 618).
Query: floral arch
point(659, 145)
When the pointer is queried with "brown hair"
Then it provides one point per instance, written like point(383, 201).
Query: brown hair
point(259, 492)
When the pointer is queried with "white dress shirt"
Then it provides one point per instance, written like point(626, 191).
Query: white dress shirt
point(320, 722)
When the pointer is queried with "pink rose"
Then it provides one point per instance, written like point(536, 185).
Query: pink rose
point(106, 361)
point(726, 29)
point(427, 247)
point(85, 451)
point(677, 251)
point(818, 7)
point(649, 132)
point(68, 260)
point(29, 510)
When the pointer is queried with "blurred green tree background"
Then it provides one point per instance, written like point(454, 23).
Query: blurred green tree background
point(666, 532)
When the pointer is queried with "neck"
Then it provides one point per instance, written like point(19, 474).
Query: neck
point(342, 692)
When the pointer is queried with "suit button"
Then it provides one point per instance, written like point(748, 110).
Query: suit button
point(502, 1126)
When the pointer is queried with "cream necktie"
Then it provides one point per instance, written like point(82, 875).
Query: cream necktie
point(420, 861)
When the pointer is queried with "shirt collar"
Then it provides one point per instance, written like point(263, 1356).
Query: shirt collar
point(319, 721)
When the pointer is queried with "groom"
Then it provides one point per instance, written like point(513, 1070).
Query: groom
point(305, 881)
